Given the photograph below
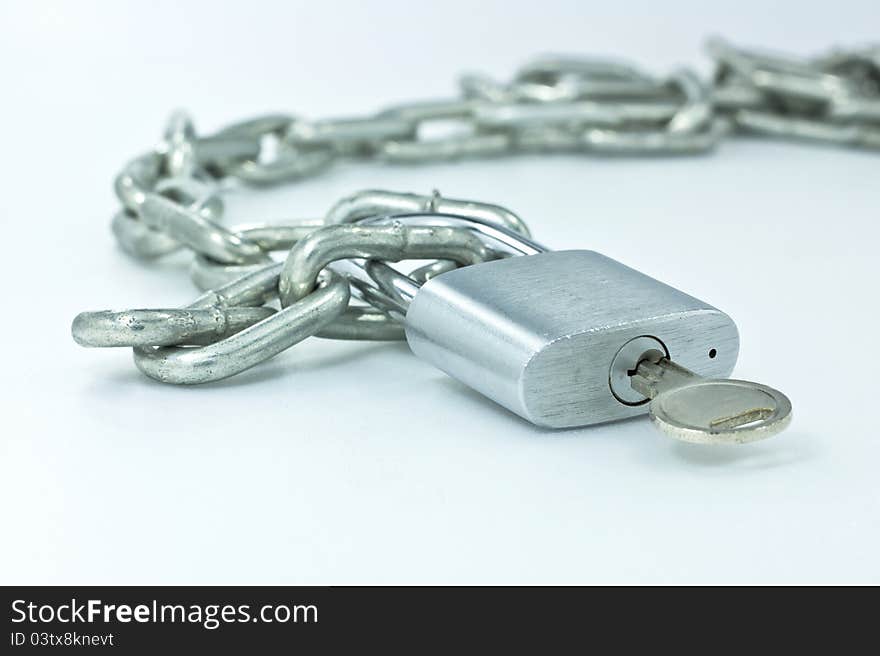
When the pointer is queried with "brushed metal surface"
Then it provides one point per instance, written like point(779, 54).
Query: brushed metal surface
point(537, 334)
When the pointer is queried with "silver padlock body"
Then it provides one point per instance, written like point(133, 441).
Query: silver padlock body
point(538, 334)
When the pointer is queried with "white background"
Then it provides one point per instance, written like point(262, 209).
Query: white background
point(356, 463)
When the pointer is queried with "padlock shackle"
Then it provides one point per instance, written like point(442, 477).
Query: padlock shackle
point(388, 289)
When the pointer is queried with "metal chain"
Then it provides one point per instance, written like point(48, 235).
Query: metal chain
point(171, 198)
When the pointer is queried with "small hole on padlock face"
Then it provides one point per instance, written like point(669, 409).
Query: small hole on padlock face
point(712, 354)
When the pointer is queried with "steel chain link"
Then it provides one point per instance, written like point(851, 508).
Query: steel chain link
point(170, 198)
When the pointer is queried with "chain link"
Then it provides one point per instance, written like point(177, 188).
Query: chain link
point(170, 196)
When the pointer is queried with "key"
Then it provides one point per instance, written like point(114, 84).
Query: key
point(574, 338)
point(694, 409)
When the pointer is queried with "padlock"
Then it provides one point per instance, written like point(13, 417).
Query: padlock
point(555, 337)
point(574, 338)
